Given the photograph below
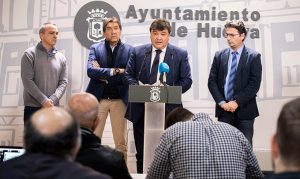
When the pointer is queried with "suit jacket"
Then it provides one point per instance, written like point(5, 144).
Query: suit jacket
point(138, 69)
point(96, 85)
point(246, 84)
point(40, 165)
point(101, 158)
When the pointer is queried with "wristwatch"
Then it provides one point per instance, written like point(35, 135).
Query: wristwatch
point(117, 70)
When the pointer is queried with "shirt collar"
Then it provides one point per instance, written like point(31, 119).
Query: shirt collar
point(51, 52)
point(240, 50)
point(85, 130)
point(112, 46)
point(202, 117)
point(162, 50)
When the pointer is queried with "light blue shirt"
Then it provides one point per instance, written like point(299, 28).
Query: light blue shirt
point(238, 56)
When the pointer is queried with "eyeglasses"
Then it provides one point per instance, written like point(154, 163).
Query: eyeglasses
point(230, 35)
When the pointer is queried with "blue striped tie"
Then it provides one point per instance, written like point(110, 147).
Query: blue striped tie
point(231, 76)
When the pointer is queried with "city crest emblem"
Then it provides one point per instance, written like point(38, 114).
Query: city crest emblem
point(155, 94)
point(89, 20)
point(95, 22)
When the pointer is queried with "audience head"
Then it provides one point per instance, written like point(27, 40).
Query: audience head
point(84, 106)
point(52, 131)
point(178, 115)
point(160, 30)
point(285, 146)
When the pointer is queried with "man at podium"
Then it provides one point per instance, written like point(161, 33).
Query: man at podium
point(142, 69)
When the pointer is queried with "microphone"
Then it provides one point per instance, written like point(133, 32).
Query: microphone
point(163, 70)
point(172, 54)
point(143, 64)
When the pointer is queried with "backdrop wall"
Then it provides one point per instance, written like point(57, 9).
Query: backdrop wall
point(196, 26)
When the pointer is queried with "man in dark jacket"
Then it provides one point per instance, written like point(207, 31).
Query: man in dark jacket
point(105, 68)
point(84, 106)
point(234, 81)
point(52, 140)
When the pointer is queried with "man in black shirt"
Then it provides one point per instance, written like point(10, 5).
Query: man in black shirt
point(84, 107)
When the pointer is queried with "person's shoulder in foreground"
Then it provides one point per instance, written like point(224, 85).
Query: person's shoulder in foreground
point(51, 140)
point(285, 142)
point(40, 165)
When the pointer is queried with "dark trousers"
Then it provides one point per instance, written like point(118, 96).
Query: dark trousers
point(138, 133)
point(28, 112)
point(244, 125)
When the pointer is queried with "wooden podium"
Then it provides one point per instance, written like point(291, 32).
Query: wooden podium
point(154, 98)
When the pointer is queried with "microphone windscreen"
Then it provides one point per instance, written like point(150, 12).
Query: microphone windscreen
point(163, 68)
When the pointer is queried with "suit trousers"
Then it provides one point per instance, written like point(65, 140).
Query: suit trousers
point(116, 108)
point(138, 133)
point(244, 125)
point(29, 111)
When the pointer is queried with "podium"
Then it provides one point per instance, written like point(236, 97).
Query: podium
point(154, 98)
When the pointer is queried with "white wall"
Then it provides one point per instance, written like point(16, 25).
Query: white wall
point(278, 42)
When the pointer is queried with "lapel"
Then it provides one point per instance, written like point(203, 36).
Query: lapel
point(243, 61)
point(120, 52)
point(102, 55)
point(168, 55)
point(169, 59)
point(148, 50)
point(224, 61)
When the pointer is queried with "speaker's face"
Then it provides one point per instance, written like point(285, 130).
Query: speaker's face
point(159, 38)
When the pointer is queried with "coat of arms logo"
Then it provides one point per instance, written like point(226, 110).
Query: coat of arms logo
point(95, 21)
point(88, 22)
point(155, 94)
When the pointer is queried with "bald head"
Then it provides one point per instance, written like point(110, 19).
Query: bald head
point(84, 106)
point(53, 131)
point(49, 121)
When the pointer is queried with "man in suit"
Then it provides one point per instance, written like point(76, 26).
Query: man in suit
point(284, 146)
point(234, 80)
point(52, 141)
point(84, 107)
point(142, 69)
point(106, 66)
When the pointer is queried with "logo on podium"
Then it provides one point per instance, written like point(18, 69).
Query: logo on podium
point(155, 94)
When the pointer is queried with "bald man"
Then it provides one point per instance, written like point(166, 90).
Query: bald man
point(51, 140)
point(84, 106)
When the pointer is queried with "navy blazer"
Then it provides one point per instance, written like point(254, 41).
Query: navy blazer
point(138, 69)
point(98, 52)
point(246, 84)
